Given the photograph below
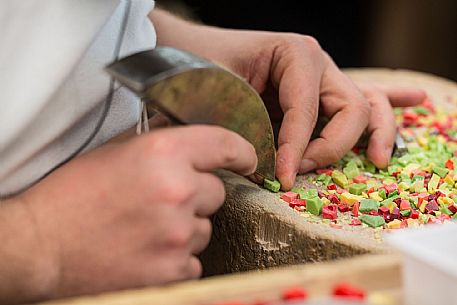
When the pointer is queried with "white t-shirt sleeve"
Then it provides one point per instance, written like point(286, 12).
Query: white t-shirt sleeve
point(52, 83)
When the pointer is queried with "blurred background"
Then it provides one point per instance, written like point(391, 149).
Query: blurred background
point(410, 34)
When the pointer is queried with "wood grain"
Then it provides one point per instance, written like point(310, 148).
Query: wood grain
point(375, 273)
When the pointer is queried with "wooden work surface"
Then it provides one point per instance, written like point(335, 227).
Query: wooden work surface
point(374, 273)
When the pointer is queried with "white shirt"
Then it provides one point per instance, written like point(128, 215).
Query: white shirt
point(52, 80)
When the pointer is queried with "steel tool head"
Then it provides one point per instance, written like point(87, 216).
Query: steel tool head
point(400, 147)
point(191, 90)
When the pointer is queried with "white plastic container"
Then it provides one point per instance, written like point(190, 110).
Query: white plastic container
point(429, 264)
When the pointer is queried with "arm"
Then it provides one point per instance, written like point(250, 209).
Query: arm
point(176, 32)
point(26, 272)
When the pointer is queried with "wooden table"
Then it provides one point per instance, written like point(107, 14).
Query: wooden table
point(374, 273)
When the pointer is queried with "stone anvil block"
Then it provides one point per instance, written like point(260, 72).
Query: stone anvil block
point(256, 230)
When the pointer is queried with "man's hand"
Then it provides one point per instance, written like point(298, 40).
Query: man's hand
point(298, 81)
point(132, 212)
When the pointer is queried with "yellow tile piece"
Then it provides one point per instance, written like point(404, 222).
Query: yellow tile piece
point(381, 298)
point(394, 224)
point(433, 183)
point(445, 200)
point(349, 198)
point(423, 205)
point(325, 201)
point(391, 206)
point(423, 218)
point(422, 141)
point(417, 186)
point(448, 179)
point(412, 223)
point(375, 196)
point(404, 194)
point(339, 178)
point(410, 168)
point(428, 169)
point(403, 186)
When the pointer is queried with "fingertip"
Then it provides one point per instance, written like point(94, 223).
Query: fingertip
point(421, 95)
point(286, 172)
point(404, 97)
point(379, 162)
point(286, 178)
point(287, 182)
point(195, 268)
point(254, 161)
point(418, 96)
point(379, 156)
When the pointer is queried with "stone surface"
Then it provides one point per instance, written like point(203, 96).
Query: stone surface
point(255, 230)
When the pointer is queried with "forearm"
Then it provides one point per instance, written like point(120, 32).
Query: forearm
point(196, 38)
point(24, 276)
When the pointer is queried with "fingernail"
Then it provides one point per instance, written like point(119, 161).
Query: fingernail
point(388, 152)
point(307, 165)
point(291, 179)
